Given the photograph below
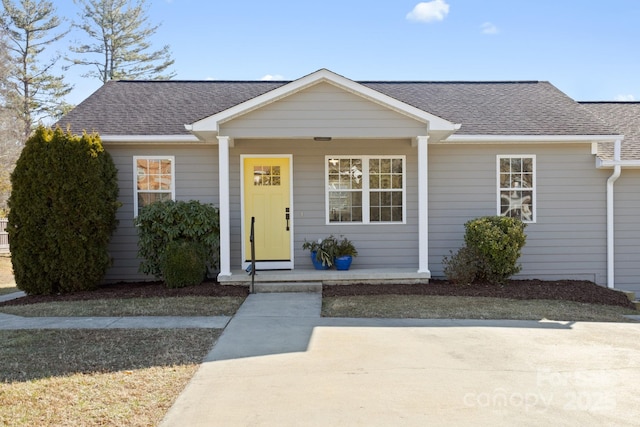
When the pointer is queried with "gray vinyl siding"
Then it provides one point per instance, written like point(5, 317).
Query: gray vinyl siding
point(196, 178)
point(627, 230)
point(568, 239)
point(323, 110)
point(379, 245)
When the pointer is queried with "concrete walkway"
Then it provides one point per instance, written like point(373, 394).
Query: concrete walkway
point(13, 295)
point(10, 322)
point(278, 363)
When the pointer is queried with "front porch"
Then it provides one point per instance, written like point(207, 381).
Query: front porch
point(329, 277)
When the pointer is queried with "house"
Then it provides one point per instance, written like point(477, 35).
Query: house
point(398, 167)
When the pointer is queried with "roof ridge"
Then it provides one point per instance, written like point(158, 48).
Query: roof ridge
point(357, 81)
point(455, 81)
point(608, 102)
point(200, 81)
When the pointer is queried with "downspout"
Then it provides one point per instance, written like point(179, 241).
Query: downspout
point(617, 169)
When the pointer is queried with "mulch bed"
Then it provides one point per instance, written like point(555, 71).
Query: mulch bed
point(568, 290)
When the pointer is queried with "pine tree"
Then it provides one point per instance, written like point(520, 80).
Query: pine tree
point(120, 47)
point(31, 27)
point(11, 126)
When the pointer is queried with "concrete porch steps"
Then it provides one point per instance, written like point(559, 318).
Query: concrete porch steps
point(276, 287)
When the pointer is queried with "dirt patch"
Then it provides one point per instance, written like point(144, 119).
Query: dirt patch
point(563, 290)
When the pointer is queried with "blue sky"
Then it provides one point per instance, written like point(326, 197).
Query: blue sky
point(587, 48)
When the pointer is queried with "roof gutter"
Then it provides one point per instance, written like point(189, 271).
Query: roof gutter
point(538, 139)
point(157, 139)
point(617, 170)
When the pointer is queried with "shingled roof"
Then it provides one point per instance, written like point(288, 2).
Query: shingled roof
point(483, 108)
point(625, 119)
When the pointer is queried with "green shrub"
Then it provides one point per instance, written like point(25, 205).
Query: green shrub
point(461, 267)
point(497, 240)
point(62, 212)
point(160, 223)
point(184, 264)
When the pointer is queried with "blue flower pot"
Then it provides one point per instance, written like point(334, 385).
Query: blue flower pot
point(317, 264)
point(343, 262)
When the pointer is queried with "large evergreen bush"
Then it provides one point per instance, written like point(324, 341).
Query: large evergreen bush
point(63, 212)
point(163, 222)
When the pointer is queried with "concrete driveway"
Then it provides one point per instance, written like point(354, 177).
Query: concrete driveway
point(279, 364)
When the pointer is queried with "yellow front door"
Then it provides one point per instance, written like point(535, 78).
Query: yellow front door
point(267, 198)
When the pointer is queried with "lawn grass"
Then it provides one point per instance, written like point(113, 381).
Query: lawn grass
point(7, 284)
point(455, 307)
point(155, 306)
point(8, 288)
point(96, 377)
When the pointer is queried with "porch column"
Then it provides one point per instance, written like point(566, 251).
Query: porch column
point(225, 229)
point(423, 204)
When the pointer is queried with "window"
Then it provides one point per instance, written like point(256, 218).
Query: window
point(365, 189)
point(266, 176)
point(517, 187)
point(154, 180)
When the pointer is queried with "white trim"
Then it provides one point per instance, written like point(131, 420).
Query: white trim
point(366, 191)
point(608, 164)
point(508, 139)
point(172, 159)
point(534, 189)
point(212, 123)
point(225, 227)
point(270, 265)
point(611, 215)
point(159, 139)
point(423, 204)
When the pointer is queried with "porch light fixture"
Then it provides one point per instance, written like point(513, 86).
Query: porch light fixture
point(322, 138)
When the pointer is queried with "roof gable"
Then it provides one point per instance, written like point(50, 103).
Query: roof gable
point(324, 110)
point(210, 125)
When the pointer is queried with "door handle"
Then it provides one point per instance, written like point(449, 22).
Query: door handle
point(287, 216)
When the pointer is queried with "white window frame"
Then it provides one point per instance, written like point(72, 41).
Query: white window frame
point(366, 191)
point(534, 189)
point(172, 159)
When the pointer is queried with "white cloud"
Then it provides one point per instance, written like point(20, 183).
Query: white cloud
point(272, 77)
point(489, 28)
point(627, 97)
point(435, 10)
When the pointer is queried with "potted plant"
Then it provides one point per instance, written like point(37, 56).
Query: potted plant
point(344, 251)
point(322, 252)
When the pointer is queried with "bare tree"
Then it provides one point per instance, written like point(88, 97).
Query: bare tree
point(31, 26)
point(11, 126)
point(120, 45)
